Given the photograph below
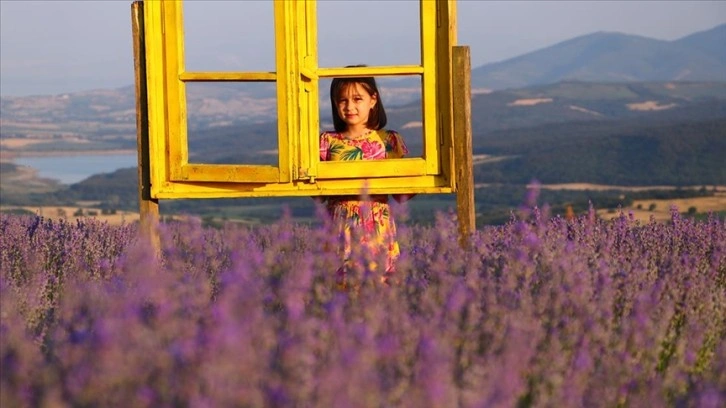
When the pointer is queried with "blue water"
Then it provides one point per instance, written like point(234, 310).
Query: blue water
point(72, 169)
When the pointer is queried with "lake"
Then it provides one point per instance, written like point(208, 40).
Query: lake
point(72, 169)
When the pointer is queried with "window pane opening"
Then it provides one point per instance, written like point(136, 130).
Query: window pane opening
point(229, 36)
point(232, 123)
point(357, 32)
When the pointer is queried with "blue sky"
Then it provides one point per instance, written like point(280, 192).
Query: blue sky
point(51, 47)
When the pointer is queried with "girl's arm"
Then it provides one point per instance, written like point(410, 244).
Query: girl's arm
point(396, 149)
point(324, 142)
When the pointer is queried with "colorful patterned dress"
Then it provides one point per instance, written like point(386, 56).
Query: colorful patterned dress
point(369, 223)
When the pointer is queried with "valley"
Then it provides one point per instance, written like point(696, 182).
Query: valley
point(634, 146)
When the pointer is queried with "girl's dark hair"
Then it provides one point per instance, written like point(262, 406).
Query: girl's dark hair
point(377, 118)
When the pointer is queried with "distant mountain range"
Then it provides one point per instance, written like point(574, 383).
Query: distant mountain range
point(108, 114)
point(613, 57)
point(600, 87)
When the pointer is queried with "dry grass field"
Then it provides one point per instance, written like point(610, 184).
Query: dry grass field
point(72, 213)
point(660, 210)
point(642, 210)
point(603, 187)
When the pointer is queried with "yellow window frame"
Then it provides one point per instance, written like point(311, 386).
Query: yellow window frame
point(299, 170)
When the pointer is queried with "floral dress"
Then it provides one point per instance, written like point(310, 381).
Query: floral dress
point(369, 223)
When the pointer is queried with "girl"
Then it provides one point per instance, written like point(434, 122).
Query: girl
point(359, 120)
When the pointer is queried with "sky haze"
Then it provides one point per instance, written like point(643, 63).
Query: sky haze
point(52, 47)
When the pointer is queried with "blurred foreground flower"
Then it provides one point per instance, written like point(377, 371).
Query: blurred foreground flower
point(539, 312)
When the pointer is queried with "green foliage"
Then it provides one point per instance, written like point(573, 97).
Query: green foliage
point(7, 167)
point(17, 211)
point(625, 153)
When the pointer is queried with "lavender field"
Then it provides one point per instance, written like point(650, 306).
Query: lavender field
point(540, 312)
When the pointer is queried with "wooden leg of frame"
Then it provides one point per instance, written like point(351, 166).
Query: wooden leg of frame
point(465, 205)
point(148, 207)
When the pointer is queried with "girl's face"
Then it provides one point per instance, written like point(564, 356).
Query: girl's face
point(355, 104)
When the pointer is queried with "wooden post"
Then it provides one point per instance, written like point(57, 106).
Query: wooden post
point(466, 209)
point(148, 207)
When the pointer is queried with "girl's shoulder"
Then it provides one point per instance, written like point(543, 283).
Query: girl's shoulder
point(331, 135)
point(395, 146)
point(389, 134)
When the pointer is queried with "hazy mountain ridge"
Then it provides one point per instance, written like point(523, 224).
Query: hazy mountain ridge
point(710, 41)
point(613, 57)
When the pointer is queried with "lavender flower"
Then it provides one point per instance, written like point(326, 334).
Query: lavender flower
point(540, 311)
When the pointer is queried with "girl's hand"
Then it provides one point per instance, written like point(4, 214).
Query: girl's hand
point(402, 198)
